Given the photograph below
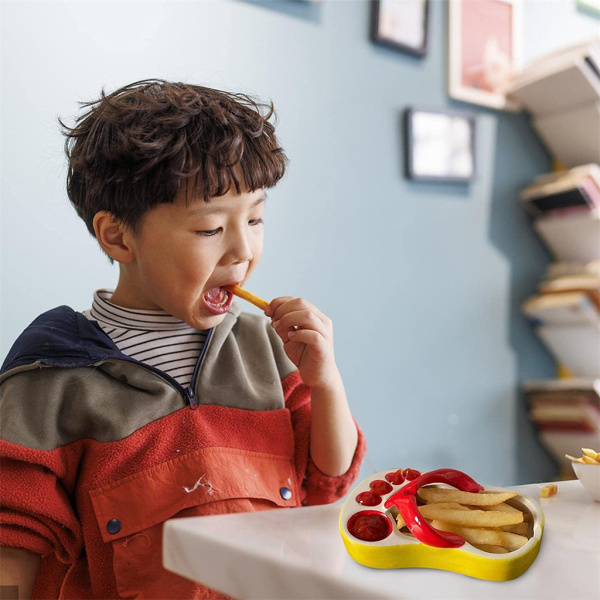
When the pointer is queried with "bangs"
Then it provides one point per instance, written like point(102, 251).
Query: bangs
point(238, 161)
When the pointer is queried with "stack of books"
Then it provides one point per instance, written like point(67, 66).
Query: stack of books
point(565, 208)
point(561, 90)
point(566, 214)
point(573, 191)
point(567, 415)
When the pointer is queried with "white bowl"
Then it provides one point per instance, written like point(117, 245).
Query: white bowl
point(589, 475)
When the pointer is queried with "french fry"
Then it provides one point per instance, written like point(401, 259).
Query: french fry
point(470, 518)
point(591, 453)
point(502, 507)
point(248, 296)
point(475, 499)
point(492, 537)
point(548, 490)
point(520, 528)
point(573, 459)
point(589, 456)
point(485, 519)
point(450, 506)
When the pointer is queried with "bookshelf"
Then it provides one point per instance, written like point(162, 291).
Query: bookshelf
point(561, 92)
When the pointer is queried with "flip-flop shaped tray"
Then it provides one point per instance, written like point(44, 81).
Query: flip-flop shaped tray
point(373, 504)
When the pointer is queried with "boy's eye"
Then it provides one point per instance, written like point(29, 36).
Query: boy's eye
point(255, 221)
point(210, 232)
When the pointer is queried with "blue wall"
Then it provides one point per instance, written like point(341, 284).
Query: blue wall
point(423, 282)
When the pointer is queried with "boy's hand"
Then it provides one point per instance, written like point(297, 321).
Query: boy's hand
point(307, 336)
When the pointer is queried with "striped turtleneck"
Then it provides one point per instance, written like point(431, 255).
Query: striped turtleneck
point(153, 337)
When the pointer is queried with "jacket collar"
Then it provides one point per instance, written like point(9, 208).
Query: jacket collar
point(62, 337)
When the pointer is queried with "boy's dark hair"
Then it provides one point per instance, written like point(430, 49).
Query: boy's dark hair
point(134, 147)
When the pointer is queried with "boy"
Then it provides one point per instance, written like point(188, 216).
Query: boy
point(165, 400)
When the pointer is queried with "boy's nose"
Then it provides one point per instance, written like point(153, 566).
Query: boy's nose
point(241, 251)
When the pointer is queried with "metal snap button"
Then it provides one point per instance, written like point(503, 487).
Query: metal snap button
point(286, 493)
point(113, 526)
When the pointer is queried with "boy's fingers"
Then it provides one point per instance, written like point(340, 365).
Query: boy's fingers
point(310, 337)
point(303, 319)
point(286, 304)
point(276, 303)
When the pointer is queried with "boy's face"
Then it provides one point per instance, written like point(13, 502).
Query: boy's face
point(186, 253)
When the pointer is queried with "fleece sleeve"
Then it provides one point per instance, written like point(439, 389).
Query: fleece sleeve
point(317, 487)
point(36, 513)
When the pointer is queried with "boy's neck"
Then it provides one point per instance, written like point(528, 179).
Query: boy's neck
point(126, 296)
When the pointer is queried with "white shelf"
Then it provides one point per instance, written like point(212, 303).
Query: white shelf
point(540, 87)
point(577, 347)
point(573, 237)
point(572, 136)
point(562, 93)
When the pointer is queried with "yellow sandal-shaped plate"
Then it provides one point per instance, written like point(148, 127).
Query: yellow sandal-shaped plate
point(397, 550)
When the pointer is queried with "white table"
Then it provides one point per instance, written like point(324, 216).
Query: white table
point(299, 553)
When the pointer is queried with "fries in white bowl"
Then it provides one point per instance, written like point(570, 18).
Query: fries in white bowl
point(587, 469)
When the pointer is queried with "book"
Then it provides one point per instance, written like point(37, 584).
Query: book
point(591, 170)
point(549, 183)
point(566, 413)
point(588, 284)
point(566, 417)
point(576, 346)
point(565, 269)
point(560, 196)
point(548, 406)
point(574, 237)
point(556, 405)
point(562, 308)
point(553, 390)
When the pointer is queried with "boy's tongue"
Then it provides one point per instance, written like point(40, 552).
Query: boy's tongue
point(217, 295)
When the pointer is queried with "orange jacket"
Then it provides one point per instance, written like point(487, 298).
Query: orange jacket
point(97, 451)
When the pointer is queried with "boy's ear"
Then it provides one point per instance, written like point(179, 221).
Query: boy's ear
point(114, 237)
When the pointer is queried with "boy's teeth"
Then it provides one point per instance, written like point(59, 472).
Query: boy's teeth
point(217, 295)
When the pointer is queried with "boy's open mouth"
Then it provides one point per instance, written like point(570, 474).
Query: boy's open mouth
point(217, 300)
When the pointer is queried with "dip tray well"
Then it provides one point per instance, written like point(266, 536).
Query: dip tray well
point(370, 534)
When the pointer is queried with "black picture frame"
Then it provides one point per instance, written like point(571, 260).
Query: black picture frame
point(379, 8)
point(440, 145)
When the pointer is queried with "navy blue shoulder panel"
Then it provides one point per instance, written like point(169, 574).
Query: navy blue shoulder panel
point(60, 337)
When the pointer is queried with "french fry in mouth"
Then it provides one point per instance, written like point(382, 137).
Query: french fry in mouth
point(236, 290)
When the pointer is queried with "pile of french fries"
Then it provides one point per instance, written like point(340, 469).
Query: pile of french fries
point(484, 519)
point(589, 456)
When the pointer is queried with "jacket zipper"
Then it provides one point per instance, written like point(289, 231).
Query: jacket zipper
point(187, 394)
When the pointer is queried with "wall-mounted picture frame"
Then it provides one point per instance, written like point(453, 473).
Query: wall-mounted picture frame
point(484, 51)
point(440, 145)
point(401, 25)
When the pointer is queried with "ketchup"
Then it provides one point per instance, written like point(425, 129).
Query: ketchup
point(369, 526)
point(411, 474)
point(368, 498)
point(396, 477)
point(381, 487)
